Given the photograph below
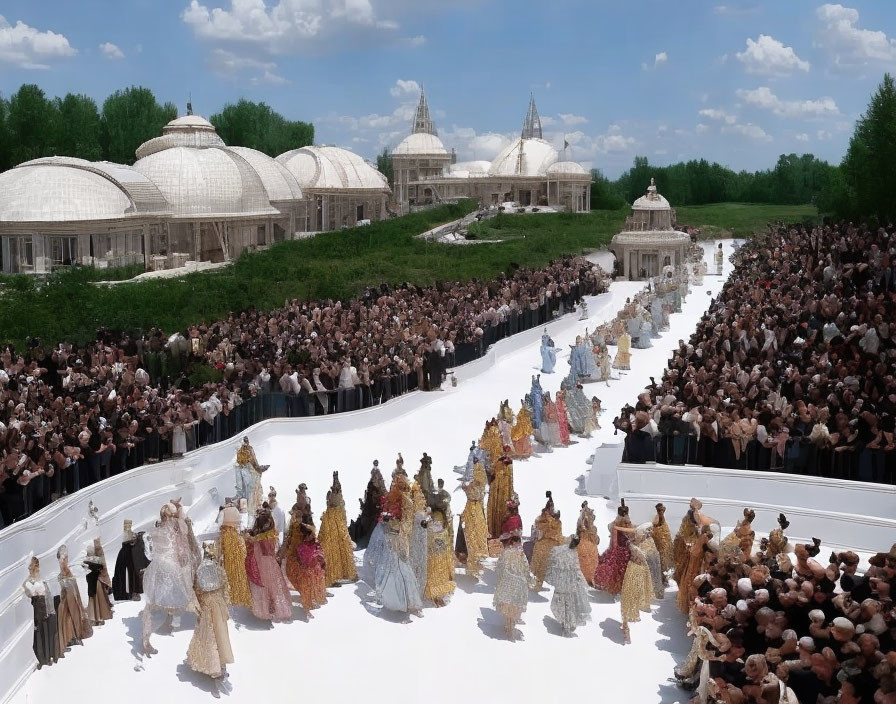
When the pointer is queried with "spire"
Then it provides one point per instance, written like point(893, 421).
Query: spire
point(422, 120)
point(532, 124)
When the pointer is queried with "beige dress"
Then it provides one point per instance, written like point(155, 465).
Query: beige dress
point(209, 651)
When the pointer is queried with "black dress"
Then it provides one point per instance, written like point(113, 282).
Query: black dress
point(45, 633)
point(129, 565)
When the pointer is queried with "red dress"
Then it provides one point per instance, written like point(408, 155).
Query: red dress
point(612, 565)
point(563, 420)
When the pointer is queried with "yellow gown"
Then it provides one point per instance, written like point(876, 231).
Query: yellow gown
point(687, 534)
point(336, 543)
point(499, 493)
point(491, 443)
point(662, 536)
point(520, 433)
point(636, 590)
point(623, 352)
point(233, 550)
point(551, 536)
point(473, 519)
point(440, 563)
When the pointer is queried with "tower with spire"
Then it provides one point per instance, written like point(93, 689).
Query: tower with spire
point(532, 123)
point(422, 121)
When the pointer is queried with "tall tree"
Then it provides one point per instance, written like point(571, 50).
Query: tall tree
point(79, 127)
point(870, 163)
point(256, 125)
point(33, 122)
point(5, 142)
point(384, 165)
point(130, 117)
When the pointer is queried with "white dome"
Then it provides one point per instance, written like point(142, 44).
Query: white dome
point(647, 202)
point(524, 157)
point(420, 143)
point(469, 169)
point(206, 182)
point(186, 131)
point(44, 191)
point(279, 183)
point(332, 168)
point(567, 168)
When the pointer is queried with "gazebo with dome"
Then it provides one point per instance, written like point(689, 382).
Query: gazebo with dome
point(649, 241)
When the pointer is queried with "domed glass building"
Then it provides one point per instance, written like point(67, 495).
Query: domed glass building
point(649, 241)
point(188, 197)
point(528, 171)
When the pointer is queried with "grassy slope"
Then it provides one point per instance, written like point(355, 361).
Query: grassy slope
point(740, 219)
point(334, 265)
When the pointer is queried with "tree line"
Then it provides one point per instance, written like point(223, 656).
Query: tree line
point(33, 125)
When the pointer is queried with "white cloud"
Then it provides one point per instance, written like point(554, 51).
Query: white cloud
point(570, 120)
point(111, 51)
point(658, 60)
point(802, 137)
point(415, 41)
point(289, 26)
point(841, 37)
point(226, 63)
point(764, 99)
point(403, 87)
point(588, 147)
point(767, 56)
point(718, 115)
point(701, 128)
point(823, 135)
point(749, 130)
point(734, 11)
point(27, 47)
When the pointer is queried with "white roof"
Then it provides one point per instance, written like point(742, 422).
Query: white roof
point(567, 167)
point(469, 169)
point(524, 157)
point(279, 183)
point(332, 168)
point(185, 131)
point(657, 202)
point(188, 122)
point(420, 143)
point(206, 182)
point(65, 189)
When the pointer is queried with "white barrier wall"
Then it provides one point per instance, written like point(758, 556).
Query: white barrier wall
point(844, 514)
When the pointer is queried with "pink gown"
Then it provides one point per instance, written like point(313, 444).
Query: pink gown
point(563, 421)
point(270, 594)
point(612, 564)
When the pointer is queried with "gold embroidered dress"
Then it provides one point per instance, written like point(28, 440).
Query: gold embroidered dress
point(499, 493)
point(335, 541)
point(550, 535)
point(520, 434)
point(473, 520)
point(440, 561)
point(210, 651)
point(233, 550)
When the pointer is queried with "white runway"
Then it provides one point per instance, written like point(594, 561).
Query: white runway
point(352, 652)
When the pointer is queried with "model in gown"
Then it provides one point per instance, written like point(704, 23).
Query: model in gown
point(550, 426)
point(548, 535)
point(473, 523)
point(521, 433)
point(168, 581)
point(248, 476)
point(210, 651)
point(536, 404)
point(562, 417)
point(499, 493)
point(569, 604)
point(623, 358)
point(662, 536)
point(396, 586)
point(612, 563)
point(270, 594)
point(440, 560)
point(310, 575)
point(548, 354)
point(491, 440)
point(233, 552)
point(99, 585)
point(512, 571)
point(418, 552)
point(636, 591)
point(588, 542)
point(578, 408)
point(45, 642)
point(334, 538)
point(361, 529)
point(647, 545)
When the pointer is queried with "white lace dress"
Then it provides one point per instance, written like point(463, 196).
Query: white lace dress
point(570, 604)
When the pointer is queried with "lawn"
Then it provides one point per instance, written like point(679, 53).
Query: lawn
point(337, 265)
point(741, 219)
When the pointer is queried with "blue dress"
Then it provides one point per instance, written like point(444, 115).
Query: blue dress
point(548, 359)
point(373, 555)
point(396, 586)
point(535, 400)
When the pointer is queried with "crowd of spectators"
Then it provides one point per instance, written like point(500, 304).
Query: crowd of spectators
point(791, 368)
point(778, 626)
point(73, 415)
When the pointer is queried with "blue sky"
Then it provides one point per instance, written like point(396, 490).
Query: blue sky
point(738, 83)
